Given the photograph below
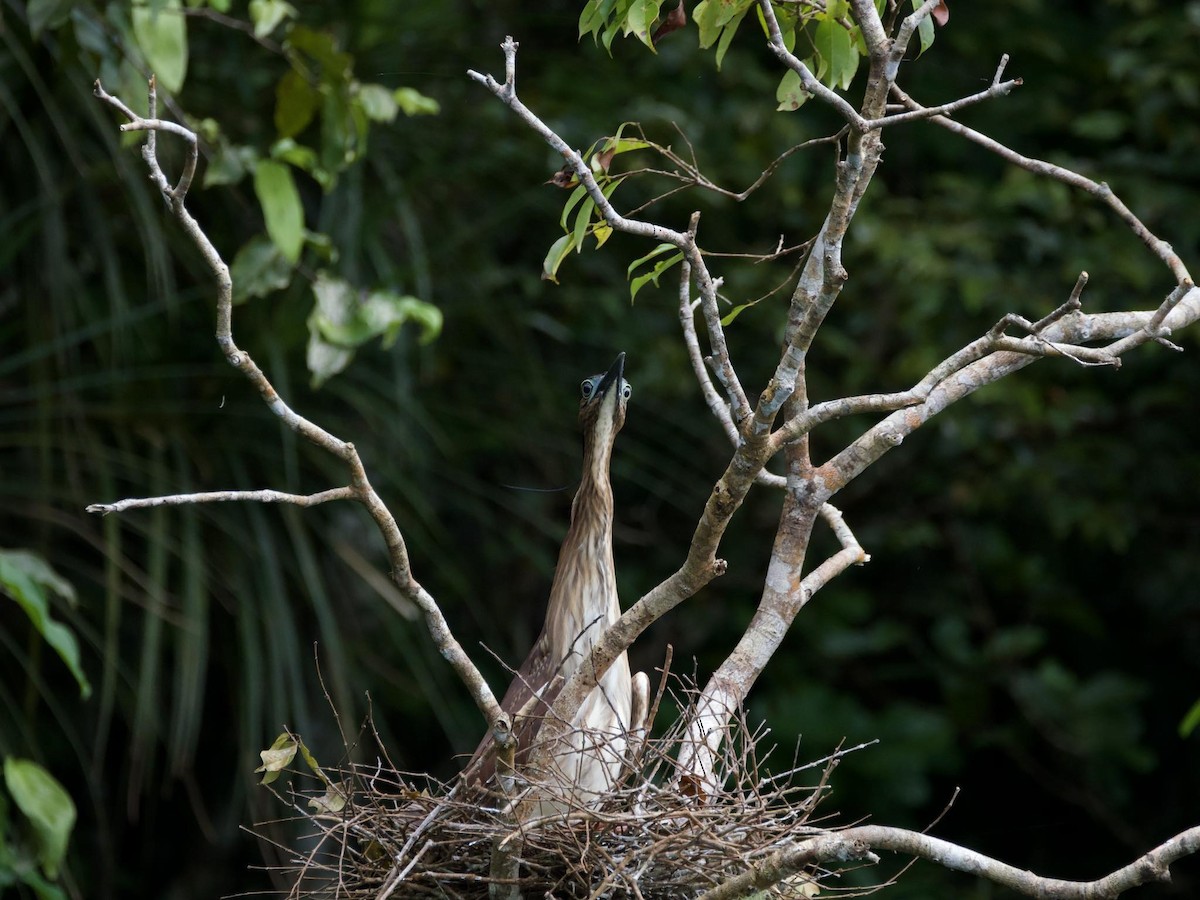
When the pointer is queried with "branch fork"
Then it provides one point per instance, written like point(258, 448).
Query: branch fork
point(360, 488)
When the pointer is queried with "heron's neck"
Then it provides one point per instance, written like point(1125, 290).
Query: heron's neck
point(592, 509)
point(583, 598)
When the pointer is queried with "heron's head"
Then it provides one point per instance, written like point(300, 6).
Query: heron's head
point(602, 402)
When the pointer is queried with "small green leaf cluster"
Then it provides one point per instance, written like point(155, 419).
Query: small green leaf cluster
point(344, 319)
point(580, 217)
point(605, 19)
point(317, 98)
point(822, 34)
point(662, 259)
point(323, 115)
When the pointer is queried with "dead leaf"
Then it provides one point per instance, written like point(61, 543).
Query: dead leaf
point(564, 178)
point(675, 20)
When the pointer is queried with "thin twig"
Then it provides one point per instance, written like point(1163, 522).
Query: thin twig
point(1100, 190)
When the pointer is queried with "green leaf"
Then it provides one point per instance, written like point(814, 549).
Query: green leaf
point(790, 94)
point(413, 103)
point(311, 761)
point(735, 312)
point(657, 251)
point(704, 14)
point(640, 21)
point(925, 29)
point(729, 31)
point(582, 219)
point(229, 164)
point(161, 32)
point(557, 253)
point(49, 808)
point(836, 49)
point(383, 314)
point(296, 103)
point(712, 16)
point(320, 46)
point(652, 276)
point(718, 21)
point(268, 14)
point(339, 144)
point(342, 321)
point(592, 17)
point(29, 580)
point(258, 269)
point(302, 157)
point(280, 201)
point(1190, 721)
point(378, 102)
point(576, 196)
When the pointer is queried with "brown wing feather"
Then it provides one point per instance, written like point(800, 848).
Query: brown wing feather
point(531, 679)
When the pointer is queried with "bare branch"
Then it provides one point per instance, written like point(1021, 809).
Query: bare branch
point(360, 487)
point(263, 496)
point(823, 848)
point(995, 340)
point(687, 321)
point(977, 365)
point(997, 89)
point(1150, 867)
point(785, 593)
point(1100, 190)
point(867, 17)
point(858, 843)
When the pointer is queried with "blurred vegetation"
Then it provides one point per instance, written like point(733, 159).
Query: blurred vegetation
point(1028, 629)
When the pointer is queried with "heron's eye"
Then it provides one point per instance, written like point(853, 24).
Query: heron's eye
point(626, 391)
point(587, 387)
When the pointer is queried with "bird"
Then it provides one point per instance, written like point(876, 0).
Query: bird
point(587, 761)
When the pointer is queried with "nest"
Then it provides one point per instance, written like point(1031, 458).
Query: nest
point(373, 832)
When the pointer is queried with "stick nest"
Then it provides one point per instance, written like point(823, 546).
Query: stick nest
point(369, 831)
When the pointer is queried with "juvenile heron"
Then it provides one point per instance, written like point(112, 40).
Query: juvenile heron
point(583, 602)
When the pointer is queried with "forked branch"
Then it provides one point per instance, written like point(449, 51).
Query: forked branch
point(359, 488)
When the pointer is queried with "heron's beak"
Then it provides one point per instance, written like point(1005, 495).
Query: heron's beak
point(611, 377)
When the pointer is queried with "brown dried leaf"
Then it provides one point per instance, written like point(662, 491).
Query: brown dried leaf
point(564, 178)
point(675, 20)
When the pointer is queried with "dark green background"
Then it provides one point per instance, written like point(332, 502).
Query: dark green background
point(1028, 629)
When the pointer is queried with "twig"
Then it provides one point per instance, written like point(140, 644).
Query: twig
point(693, 176)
